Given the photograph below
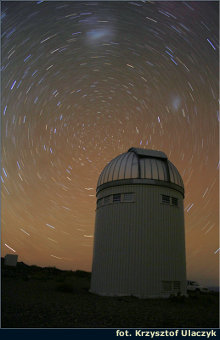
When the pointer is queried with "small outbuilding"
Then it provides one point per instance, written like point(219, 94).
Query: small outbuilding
point(11, 260)
point(139, 243)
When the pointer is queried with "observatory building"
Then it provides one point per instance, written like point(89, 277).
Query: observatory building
point(139, 245)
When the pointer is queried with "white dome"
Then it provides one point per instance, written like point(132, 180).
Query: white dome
point(139, 163)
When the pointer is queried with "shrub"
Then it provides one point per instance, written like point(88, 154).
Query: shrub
point(177, 298)
point(81, 273)
point(65, 287)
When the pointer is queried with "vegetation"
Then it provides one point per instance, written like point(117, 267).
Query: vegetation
point(48, 297)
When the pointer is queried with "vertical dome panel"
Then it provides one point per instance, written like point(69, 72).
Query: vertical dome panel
point(142, 167)
point(174, 175)
point(116, 167)
point(147, 163)
point(172, 179)
point(100, 182)
point(134, 167)
point(154, 169)
point(165, 174)
point(160, 170)
point(111, 170)
point(128, 165)
point(121, 172)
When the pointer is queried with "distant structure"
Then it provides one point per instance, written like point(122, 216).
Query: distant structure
point(139, 245)
point(11, 260)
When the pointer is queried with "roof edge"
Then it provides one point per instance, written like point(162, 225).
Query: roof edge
point(148, 153)
point(143, 181)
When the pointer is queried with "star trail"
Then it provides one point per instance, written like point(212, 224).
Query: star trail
point(83, 82)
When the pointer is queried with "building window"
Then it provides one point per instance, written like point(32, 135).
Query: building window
point(174, 201)
point(176, 285)
point(107, 199)
point(116, 198)
point(128, 197)
point(170, 286)
point(166, 286)
point(165, 199)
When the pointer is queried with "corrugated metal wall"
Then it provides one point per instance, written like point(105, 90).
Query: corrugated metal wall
point(140, 244)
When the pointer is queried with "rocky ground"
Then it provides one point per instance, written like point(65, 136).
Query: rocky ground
point(34, 297)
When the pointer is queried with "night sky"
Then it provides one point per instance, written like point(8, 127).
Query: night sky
point(83, 82)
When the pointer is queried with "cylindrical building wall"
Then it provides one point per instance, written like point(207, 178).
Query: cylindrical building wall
point(139, 244)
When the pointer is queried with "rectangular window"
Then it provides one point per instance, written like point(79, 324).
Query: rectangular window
point(128, 197)
point(170, 286)
point(176, 285)
point(116, 198)
point(174, 201)
point(165, 199)
point(167, 286)
point(107, 199)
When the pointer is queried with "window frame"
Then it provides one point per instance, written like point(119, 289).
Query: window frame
point(119, 195)
point(110, 200)
point(164, 202)
point(175, 199)
point(101, 201)
point(171, 198)
point(128, 201)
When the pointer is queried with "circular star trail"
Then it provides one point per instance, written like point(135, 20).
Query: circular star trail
point(83, 82)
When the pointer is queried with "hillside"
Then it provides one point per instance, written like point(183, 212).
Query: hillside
point(48, 298)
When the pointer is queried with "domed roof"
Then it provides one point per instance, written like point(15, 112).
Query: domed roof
point(139, 163)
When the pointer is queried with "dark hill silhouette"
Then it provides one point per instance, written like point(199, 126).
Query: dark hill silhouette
point(22, 268)
point(36, 297)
